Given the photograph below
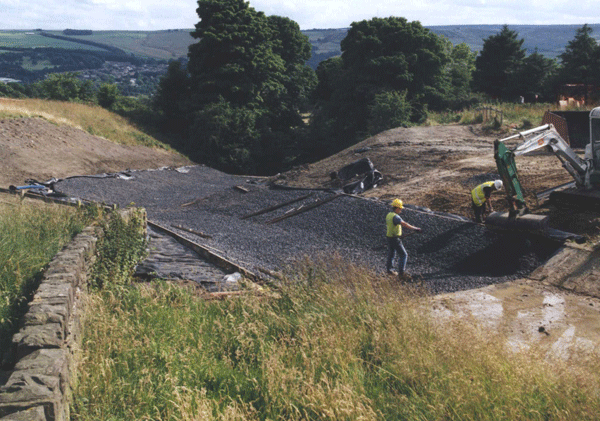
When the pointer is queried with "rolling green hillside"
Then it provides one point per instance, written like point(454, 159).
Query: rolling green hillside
point(162, 45)
point(32, 39)
point(28, 55)
point(550, 40)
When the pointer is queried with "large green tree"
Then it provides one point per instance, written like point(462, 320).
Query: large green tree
point(536, 78)
point(378, 56)
point(580, 62)
point(172, 98)
point(460, 75)
point(498, 64)
point(247, 83)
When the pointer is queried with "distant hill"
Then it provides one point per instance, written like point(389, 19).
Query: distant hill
point(549, 40)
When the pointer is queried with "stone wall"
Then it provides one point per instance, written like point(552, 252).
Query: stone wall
point(46, 346)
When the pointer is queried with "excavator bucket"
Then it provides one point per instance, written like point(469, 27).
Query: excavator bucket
point(576, 199)
point(531, 224)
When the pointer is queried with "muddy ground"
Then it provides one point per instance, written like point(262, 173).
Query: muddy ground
point(434, 167)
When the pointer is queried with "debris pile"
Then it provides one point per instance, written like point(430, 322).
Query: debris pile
point(363, 174)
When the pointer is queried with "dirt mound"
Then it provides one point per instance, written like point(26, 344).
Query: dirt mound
point(33, 148)
point(435, 167)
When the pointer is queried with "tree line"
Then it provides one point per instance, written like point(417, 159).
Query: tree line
point(247, 102)
point(239, 102)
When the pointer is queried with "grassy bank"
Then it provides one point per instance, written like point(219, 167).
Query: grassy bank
point(90, 118)
point(514, 116)
point(333, 344)
point(31, 234)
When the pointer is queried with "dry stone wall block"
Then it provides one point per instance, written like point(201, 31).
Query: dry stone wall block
point(31, 414)
point(47, 362)
point(55, 294)
point(32, 338)
point(26, 390)
point(42, 313)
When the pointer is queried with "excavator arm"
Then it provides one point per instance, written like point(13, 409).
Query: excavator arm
point(518, 218)
point(507, 168)
point(546, 136)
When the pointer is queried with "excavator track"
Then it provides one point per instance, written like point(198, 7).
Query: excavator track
point(576, 199)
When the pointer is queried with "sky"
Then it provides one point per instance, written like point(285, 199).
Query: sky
point(148, 15)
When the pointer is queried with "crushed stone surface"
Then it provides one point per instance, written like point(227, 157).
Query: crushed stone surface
point(450, 254)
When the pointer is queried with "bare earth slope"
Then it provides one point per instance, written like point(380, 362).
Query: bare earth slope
point(33, 148)
point(434, 167)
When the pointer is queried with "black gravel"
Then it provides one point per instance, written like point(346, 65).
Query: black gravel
point(450, 254)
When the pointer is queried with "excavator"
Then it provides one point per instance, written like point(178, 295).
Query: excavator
point(582, 193)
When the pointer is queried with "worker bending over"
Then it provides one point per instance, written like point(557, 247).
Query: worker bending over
point(394, 233)
point(480, 195)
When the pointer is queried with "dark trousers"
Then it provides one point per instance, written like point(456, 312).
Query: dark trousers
point(395, 246)
point(478, 211)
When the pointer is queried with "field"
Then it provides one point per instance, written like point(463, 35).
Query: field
point(147, 44)
point(156, 44)
point(30, 39)
point(335, 345)
point(32, 233)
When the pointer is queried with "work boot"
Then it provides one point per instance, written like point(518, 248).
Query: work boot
point(405, 277)
point(392, 272)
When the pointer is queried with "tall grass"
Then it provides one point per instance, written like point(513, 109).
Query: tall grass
point(30, 235)
point(333, 344)
point(90, 118)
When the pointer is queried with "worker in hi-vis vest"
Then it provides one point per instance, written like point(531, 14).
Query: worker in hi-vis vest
point(480, 195)
point(394, 225)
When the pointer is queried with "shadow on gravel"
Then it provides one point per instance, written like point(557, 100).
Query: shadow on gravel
point(508, 255)
point(439, 242)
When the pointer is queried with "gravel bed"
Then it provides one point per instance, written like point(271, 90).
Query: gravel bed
point(448, 255)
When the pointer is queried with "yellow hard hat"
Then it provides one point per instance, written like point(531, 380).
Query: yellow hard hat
point(397, 203)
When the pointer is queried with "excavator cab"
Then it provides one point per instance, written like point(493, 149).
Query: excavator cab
point(592, 149)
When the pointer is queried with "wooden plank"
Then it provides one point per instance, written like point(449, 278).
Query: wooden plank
point(241, 188)
point(193, 202)
point(306, 208)
point(275, 207)
point(198, 233)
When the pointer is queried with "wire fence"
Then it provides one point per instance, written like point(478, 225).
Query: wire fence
point(488, 113)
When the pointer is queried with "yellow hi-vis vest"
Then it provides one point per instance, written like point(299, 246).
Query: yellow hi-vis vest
point(392, 230)
point(478, 195)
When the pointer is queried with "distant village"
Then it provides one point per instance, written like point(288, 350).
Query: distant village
point(125, 74)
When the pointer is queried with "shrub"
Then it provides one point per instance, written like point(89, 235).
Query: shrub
point(119, 250)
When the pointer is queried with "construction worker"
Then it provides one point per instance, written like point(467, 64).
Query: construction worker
point(480, 195)
point(394, 225)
